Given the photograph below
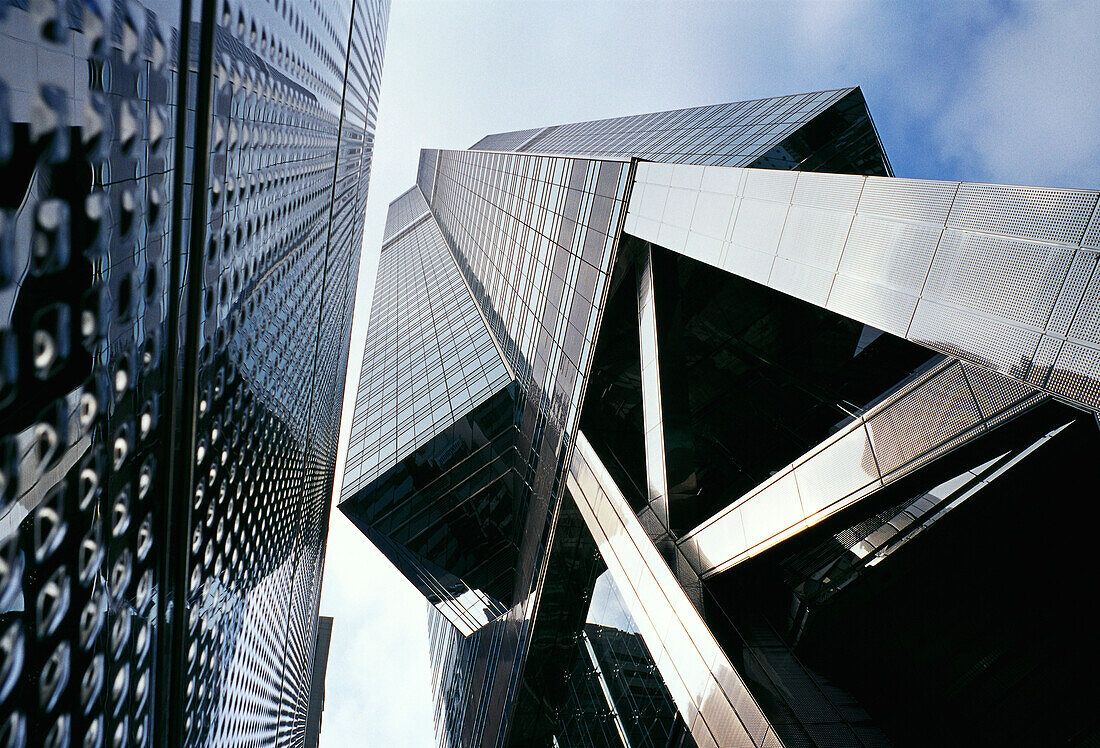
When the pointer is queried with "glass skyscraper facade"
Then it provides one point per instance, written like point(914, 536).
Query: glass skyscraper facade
point(180, 228)
point(700, 428)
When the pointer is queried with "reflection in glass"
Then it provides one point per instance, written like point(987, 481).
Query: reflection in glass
point(927, 594)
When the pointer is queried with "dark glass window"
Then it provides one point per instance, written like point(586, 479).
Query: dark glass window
point(946, 609)
point(752, 378)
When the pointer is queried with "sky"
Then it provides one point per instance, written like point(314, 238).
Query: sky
point(974, 91)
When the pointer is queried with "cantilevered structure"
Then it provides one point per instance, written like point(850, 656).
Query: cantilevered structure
point(809, 437)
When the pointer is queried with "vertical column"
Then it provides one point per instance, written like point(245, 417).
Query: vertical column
point(604, 689)
point(656, 477)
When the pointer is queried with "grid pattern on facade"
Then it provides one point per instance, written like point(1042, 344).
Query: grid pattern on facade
point(425, 173)
point(534, 237)
point(403, 212)
point(536, 258)
point(509, 141)
point(429, 359)
point(450, 657)
point(723, 134)
point(192, 260)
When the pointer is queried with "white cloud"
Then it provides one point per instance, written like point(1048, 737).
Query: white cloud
point(1029, 108)
point(377, 690)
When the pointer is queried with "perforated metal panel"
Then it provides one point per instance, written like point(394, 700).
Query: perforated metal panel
point(86, 242)
point(934, 412)
point(1067, 378)
point(890, 253)
point(908, 199)
point(913, 426)
point(1029, 212)
point(981, 272)
point(169, 400)
point(831, 192)
point(1086, 318)
point(994, 393)
point(1070, 297)
point(975, 337)
point(1009, 278)
point(1092, 233)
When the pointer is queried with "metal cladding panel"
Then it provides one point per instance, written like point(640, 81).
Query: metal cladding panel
point(1092, 233)
point(996, 275)
point(1010, 279)
point(845, 466)
point(935, 411)
point(917, 200)
point(169, 245)
point(1047, 215)
point(1086, 321)
point(656, 474)
point(711, 696)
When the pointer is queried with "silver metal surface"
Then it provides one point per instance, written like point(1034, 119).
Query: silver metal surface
point(656, 475)
point(934, 412)
point(995, 275)
point(713, 700)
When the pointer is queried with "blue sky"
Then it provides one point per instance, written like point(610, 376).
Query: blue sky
point(994, 92)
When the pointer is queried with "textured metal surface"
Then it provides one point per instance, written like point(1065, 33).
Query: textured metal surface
point(937, 410)
point(981, 272)
point(163, 278)
point(709, 693)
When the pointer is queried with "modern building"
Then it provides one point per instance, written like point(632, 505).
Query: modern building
point(317, 683)
point(181, 198)
point(702, 428)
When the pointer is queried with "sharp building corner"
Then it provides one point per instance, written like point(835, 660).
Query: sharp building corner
point(701, 428)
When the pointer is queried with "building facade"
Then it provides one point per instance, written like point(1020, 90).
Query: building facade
point(183, 191)
point(700, 428)
point(317, 684)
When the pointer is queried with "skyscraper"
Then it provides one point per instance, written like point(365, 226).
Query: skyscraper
point(702, 428)
point(317, 684)
point(183, 190)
